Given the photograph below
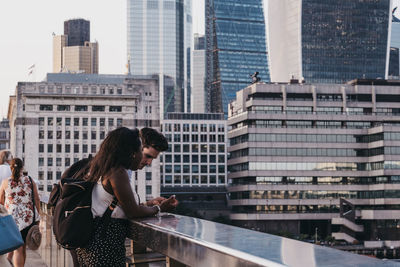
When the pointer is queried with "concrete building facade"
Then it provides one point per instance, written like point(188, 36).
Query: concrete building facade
point(59, 121)
point(194, 167)
point(299, 152)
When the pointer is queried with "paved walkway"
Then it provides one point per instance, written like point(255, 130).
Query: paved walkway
point(33, 259)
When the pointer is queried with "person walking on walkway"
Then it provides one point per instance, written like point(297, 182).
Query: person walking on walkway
point(16, 195)
point(5, 159)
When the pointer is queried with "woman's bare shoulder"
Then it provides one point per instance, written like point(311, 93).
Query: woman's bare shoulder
point(117, 173)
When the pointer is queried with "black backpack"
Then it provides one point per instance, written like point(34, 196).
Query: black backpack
point(73, 218)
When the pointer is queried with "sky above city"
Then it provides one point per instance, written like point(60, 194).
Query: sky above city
point(26, 36)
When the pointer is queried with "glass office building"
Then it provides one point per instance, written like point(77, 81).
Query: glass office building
point(235, 48)
point(159, 36)
point(329, 41)
point(394, 47)
point(297, 150)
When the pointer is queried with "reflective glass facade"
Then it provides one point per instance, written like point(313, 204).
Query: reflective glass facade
point(394, 48)
point(158, 42)
point(344, 40)
point(235, 48)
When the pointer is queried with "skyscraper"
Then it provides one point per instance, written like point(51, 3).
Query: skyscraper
point(159, 41)
point(78, 31)
point(235, 49)
point(394, 47)
point(198, 75)
point(73, 51)
point(328, 41)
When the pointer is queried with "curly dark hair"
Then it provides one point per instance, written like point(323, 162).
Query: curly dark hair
point(115, 152)
point(154, 139)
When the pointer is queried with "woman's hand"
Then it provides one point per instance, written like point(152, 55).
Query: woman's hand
point(169, 204)
point(155, 201)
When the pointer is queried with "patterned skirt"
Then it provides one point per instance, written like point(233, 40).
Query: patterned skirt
point(107, 246)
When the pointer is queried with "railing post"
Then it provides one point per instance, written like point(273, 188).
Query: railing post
point(173, 263)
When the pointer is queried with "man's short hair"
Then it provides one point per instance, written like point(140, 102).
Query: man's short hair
point(154, 139)
point(5, 155)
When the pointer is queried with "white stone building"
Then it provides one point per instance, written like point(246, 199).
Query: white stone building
point(59, 121)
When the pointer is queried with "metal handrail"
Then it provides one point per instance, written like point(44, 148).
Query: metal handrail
point(197, 242)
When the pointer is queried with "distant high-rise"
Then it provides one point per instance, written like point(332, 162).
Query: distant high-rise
point(394, 47)
point(75, 53)
point(78, 31)
point(235, 49)
point(198, 75)
point(328, 41)
point(159, 39)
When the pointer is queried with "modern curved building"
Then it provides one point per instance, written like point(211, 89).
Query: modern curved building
point(328, 41)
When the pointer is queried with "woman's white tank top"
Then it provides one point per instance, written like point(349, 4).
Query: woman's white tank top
point(101, 199)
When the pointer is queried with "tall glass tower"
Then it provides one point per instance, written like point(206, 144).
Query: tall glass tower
point(235, 49)
point(159, 42)
point(328, 41)
point(394, 63)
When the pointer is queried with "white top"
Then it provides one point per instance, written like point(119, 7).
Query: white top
point(5, 171)
point(101, 199)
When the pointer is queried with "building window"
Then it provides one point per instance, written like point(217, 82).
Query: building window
point(67, 148)
point(41, 121)
point(49, 148)
point(67, 134)
point(115, 108)
point(84, 148)
point(49, 121)
point(98, 108)
point(46, 107)
point(67, 121)
point(93, 121)
point(67, 162)
point(50, 175)
point(50, 135)
point(93, 149)
point(58, 162)
point(41, 162)
point(58, 148)
point(119, 122)
point(148, 176)
point(81, 108)
point(110, 122)
point(102, 121)
point(85, 121)
point(41, 148)
point(49, 162)
point(76, 121)
point(76, 148)
point(40, 175)
point(148, 189)
point(63, 108)
point(76, 134)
